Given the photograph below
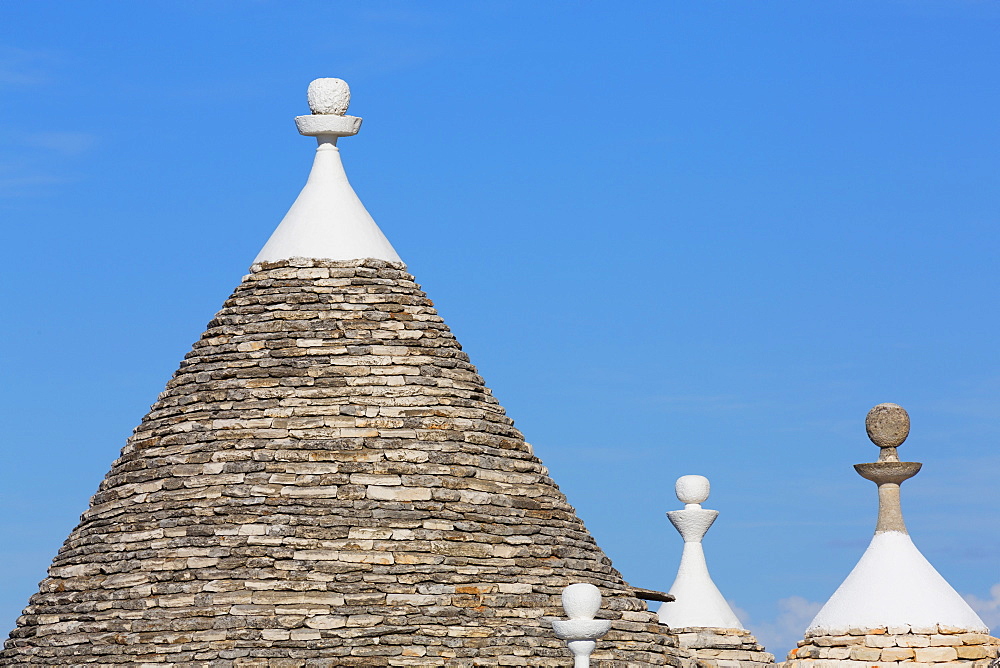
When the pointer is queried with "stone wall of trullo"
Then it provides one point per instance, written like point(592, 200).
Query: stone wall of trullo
point(903, 646)
point(326, 482)
point(723, 648)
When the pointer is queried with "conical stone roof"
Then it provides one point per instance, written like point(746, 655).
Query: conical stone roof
point(326, 481)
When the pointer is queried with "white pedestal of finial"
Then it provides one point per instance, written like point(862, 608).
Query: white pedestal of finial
point(581, 601)
point(699, 603)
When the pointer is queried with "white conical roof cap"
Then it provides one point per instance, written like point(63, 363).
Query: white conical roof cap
point(697, 600)
point(894, 585)
point(327, 221)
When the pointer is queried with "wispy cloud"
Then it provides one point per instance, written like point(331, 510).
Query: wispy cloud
point(408, 16)
point(603, 454)
point(740, 613)
point(698, 403)
point(782, 633)
point(67, 143)
point(16, 180)
point(988, 609)
point(32, 162)
point(21, 67)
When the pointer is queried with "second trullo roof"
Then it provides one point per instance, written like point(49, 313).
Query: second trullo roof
point(325, 481)
point(893, 584)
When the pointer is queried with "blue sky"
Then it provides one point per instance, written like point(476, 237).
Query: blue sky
point(688, 237)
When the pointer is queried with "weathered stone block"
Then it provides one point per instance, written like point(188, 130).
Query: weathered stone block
point(912, 640)
point(945, 629)
point(936, 654)
point(865, 653)
point(839, 653)
point(880, 641)
point(897, 654)
point(381, 493)
point(972, 652)
point(924, 630)
point(410, 599)
point(323, 622)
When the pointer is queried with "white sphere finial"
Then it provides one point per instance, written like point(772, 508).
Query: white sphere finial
point(328, 101)
point(692, 489)
point(581, 600)
point(329, 96)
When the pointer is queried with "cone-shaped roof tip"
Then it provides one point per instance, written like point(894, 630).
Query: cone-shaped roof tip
point(328, 221)
point(698, 602)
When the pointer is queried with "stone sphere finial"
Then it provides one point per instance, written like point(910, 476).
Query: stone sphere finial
point(692, 488)
point(887, 425)
point(329, 96)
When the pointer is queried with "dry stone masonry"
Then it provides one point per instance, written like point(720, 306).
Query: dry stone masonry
point(326, 481)
point(723, 648)
point(895, 645)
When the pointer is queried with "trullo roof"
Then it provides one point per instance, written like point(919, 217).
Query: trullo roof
point(893, 584)
point(326, 481)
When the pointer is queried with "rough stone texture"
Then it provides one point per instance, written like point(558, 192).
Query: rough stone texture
point(723, 648)
point(887, 425)
point(327, 482)
point(895, 645)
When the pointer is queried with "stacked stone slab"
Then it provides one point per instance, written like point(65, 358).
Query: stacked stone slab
point(723, 648)
point(326, 481)
point(895, 645)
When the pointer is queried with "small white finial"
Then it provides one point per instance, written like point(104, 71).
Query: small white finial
point(327, 220)
point(328, 100)
point(692, 489)
point(581, 601)
point(329, 96)
point(697, 601)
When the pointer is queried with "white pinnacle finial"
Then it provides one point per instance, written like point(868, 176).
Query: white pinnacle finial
point(327, 220)
point(581, 601)
point(329, 96)
point(698, 602)
point(692, 490)
point(328, 102)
